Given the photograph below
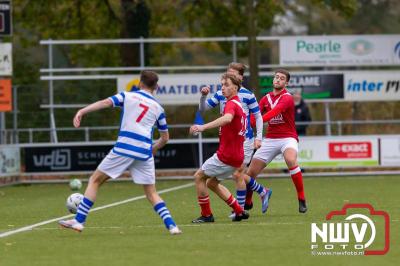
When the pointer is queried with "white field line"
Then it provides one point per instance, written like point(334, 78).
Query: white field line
point(222, 224)
point(31, 227)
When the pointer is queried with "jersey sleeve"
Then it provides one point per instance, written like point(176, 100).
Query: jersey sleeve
point(252, 104)
point(261, 104)
point(118, 99)
point(214, 100)
point(162, 121)
point(285, 102)
point(282, 105)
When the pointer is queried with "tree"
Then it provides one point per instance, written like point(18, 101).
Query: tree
point(226, 18)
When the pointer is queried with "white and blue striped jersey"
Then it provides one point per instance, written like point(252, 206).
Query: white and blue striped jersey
point(249, 104)
point(140, 111)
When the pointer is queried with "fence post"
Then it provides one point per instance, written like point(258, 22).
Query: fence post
point(87, 134)
point(15, 115)
point(234, 49)
point(141, 52)
point(53, 132)
point(30, 135)
point(328, 131)
point(200, 149)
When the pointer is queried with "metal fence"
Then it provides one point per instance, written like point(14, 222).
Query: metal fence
point(85, 134)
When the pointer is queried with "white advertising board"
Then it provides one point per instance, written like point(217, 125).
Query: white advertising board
point(323, 152)
point(176, 89)
point(340, 50)
point(390, 151)
point(5, 59)
point(372, 86)
point(9, 160)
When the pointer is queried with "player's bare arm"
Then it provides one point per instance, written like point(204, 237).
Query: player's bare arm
point(223, 120)
point(164, 137)
point(106, 103)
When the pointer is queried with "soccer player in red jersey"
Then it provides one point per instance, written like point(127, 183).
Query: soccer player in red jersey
point(230, 154)
point(281, 137)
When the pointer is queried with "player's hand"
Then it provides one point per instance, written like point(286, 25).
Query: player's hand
point(77, 119)
point(205, 90)
point(196, 129)
point(154, 151)
point(257, 144)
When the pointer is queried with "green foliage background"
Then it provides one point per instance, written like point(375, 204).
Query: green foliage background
point(35, 20)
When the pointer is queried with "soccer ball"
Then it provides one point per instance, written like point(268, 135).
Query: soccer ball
point(75, 184)
point(73, 202)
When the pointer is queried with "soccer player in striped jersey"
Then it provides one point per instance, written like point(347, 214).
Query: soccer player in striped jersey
point(281, 136)
point(133, 150)
point(230, 154)
point(250, 106)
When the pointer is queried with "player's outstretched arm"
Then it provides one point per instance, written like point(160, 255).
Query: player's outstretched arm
point(164, 137)
point(203, 105)
point(90, 108)
point(219, 122)
point(259, 129)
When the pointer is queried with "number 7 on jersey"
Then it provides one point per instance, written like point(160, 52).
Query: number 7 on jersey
point(145, 109)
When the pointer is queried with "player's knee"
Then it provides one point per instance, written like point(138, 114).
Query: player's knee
point(238, 177)
point(198, 176)
point(96, 179)
point(212, 183)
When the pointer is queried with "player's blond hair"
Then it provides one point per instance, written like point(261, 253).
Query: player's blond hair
point(234, 78)
point(239, 67)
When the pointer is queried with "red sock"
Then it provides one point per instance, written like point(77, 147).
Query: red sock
point(297, 178)
point(233, 203)
point(204, 203)
point(249, 196)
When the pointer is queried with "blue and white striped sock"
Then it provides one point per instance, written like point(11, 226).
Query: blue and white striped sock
point(257, 187)
point(164, 213)
point(83, 210)
point(241, 197)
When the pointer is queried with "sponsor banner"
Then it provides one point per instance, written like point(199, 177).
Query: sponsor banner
point(5, 18)
point(390, 151)
point(9, 160)
point(64, 158)
point(372, 86)
point(335, 152)
point(339, 50)
point(5, 95)
point(175, 156)
point(87, 158)
point(176, 89)
point(5, 59)
point(311, 86)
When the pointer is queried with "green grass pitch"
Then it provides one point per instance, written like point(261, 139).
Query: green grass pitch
point(132, 234)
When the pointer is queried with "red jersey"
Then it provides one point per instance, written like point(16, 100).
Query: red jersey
point(282, 125)
point(231, 137)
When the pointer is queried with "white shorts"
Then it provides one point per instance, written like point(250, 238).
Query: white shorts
point(270, 148)
point(213, 167)
point(248, 147)
point(142, 172)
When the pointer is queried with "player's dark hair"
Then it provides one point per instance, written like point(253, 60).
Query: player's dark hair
point(149, 79)
point(285, 72)
point(239, 67)
point(234, 78)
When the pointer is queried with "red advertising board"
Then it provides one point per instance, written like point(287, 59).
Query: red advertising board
point(350, 150)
